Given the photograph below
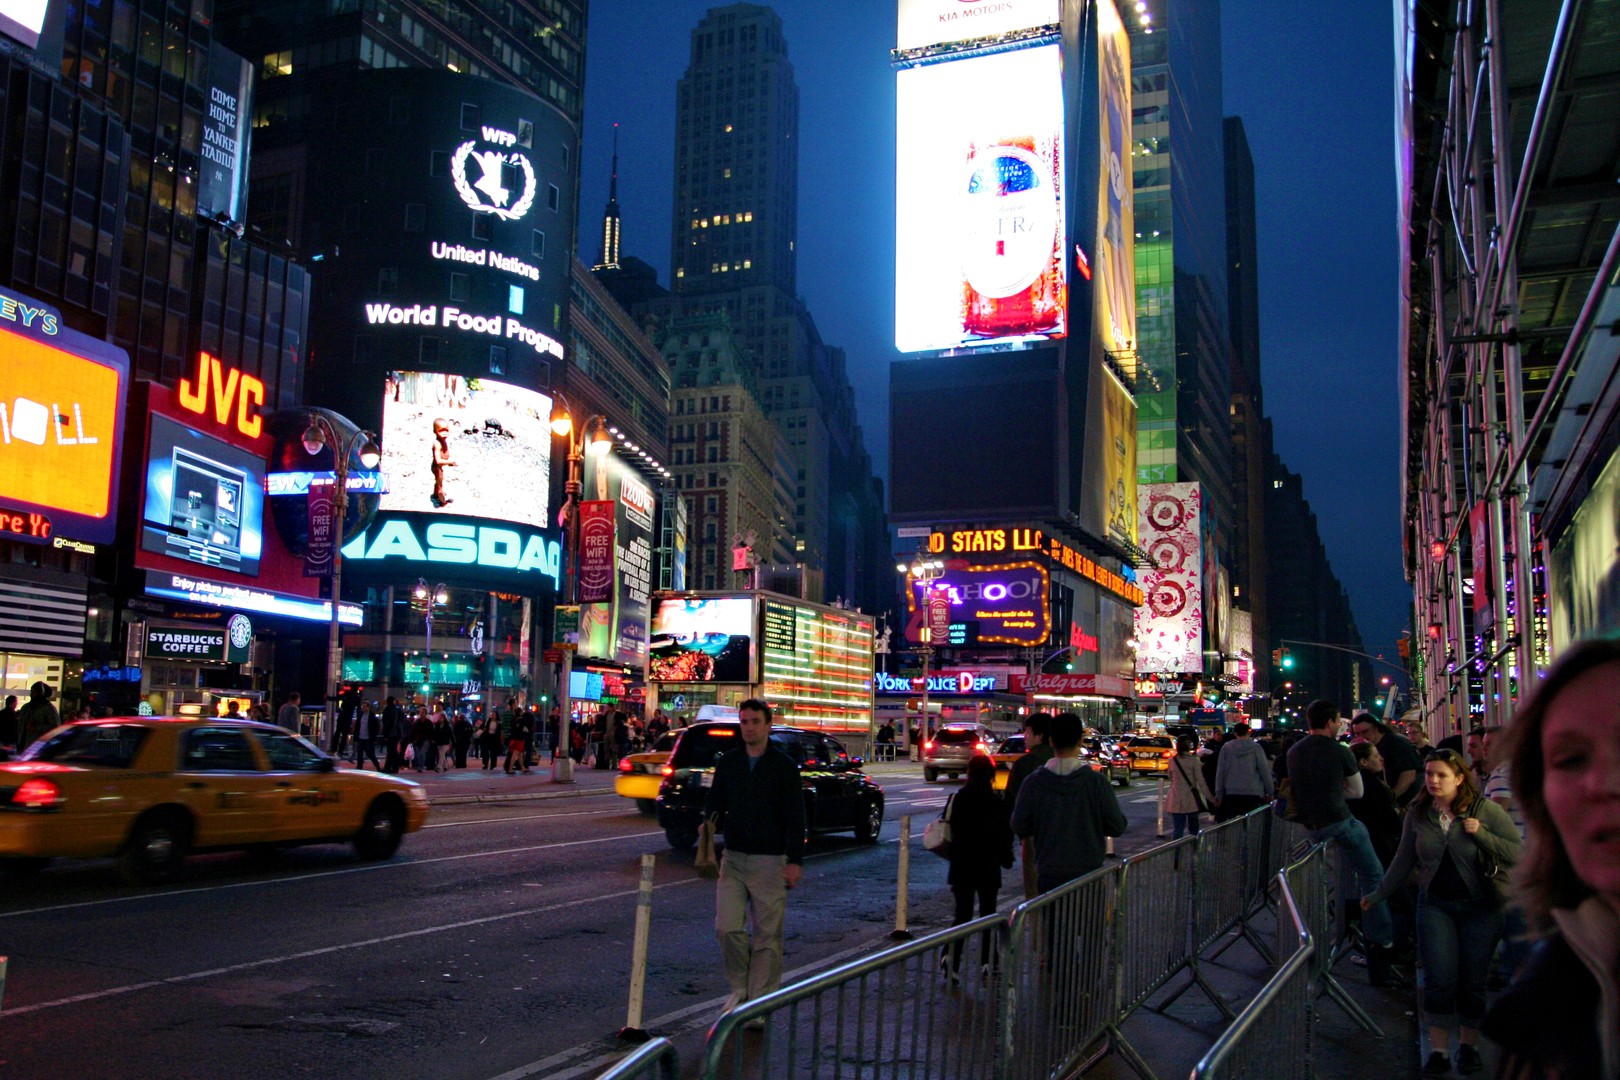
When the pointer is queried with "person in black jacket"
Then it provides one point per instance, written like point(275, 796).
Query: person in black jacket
point(757, 801)
point(981, 846)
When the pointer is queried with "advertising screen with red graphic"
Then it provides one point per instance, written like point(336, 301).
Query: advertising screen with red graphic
point(702, 639)
point(1170, 625)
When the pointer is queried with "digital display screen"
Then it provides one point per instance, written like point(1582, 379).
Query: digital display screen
point(585, 685)
point(817, 666)
point(979, 248)
point(455, 444)
point(204, 500)
point(932, 22)
point(1008, 603)
point(702, 639)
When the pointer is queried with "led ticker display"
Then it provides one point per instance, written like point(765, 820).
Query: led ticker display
point(980, 253)
point(204, 499)
point(475, 447)
point(702, 639)
point(816, 666)
point(1009, 602)
point(61, 422)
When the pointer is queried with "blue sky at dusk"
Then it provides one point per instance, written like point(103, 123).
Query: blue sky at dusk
point(1315, 86)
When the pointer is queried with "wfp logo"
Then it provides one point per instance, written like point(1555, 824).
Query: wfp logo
point(490, 191)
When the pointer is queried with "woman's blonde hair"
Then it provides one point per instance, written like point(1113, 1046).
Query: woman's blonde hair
point(1545, 878)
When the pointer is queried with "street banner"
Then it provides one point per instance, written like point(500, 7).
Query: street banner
point(596, 551)
point(322, 530)
point(939, 615)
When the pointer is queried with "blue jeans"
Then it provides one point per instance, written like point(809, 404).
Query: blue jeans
point(1456, 939)
point(1184, 823)
point(1350, 836)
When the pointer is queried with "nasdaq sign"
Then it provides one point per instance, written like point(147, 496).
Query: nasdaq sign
point(456, 543)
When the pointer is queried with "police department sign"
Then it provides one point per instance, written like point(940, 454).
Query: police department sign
point(480, 175)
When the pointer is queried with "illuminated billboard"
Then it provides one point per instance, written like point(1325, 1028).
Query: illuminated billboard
point(1170, 624)
point(616, 629)
point(204, 499)
point(474, 447)
point(702, 639)
point(1114, 299)
point(979, 248)
point(23, 20)
point(816, 666)
point(1007, 603)
point(934, 22)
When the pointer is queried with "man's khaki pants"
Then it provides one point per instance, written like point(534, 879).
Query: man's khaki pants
point(753, 962)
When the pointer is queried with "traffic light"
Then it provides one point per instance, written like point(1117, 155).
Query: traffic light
point(1276, 657)
point(1287, 659)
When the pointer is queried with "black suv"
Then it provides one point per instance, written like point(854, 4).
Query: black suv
point(838, 796)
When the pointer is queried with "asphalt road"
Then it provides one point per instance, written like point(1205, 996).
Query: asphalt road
point(496, 944)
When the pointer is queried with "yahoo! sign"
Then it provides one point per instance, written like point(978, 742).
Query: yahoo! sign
point(1010, 602)
point(945, 682)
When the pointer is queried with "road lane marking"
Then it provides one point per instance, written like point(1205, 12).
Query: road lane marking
point(617, 812)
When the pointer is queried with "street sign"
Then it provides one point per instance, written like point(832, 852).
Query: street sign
point(567, 635)
point(552, 656)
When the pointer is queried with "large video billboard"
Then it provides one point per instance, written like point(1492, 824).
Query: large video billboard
point(816, 667)
point(474, 447)
point(204, 499)
point(702, 639)
point(1006, 603)
point(933, 22)
point(61, 425)
point(1170, 624)
point(1114, 276)
point(979, 249)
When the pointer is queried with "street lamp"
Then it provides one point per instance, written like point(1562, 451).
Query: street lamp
point(924, 572)
point(595, 437)
point(426, 600)
point(318, 436)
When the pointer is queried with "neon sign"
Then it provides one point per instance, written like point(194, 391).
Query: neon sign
point(460, 544)
point(1034, 541)
point(954, 682)
point(219, 393)
point(1009, 602)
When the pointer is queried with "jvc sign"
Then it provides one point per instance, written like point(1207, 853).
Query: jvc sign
point(950, 682)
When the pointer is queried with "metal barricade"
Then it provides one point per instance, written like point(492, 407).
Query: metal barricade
point(891, 1014)
point(655, 1060)
point(1058, 998)
point(1157, 920)
point(1271, 1038)
point(1308, 882)
point(1222, 898)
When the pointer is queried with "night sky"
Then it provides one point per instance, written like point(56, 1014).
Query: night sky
point(1315, 86)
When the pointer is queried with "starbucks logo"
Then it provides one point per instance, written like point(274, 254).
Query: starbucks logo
point(240, 630)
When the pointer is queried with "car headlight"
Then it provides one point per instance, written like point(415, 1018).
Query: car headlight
point(417, 794)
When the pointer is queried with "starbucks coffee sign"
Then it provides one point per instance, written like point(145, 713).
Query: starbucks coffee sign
point(202, 644)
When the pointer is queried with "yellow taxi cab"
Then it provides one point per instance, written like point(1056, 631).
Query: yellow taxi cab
point(641, 774)
point(1151, 753)
point(150, 790)
point(1010, 750)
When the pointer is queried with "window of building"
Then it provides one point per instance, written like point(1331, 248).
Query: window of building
point(472, 116)
point(537, 244)
point(460, 287)
point(387, 281)
point(553, 197)
point(497, 359)
point(439, 163)
point(483, 226)
point(415, 217)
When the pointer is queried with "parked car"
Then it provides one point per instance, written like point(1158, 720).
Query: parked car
point(838, 796)
point(952, 747)
point(1106, 757)
point(641, 774)
point(150, 790)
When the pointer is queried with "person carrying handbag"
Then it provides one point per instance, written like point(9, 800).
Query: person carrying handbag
point(981, 847)
point(1189, 794)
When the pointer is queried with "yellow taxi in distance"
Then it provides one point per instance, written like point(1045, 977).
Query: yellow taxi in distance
point(1151, 753)
point(1010, 750)
point(150, 790)
point(640, 774)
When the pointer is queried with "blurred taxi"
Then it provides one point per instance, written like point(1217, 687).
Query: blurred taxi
point(641, 774)
point(1151, 753)
point(150, 790)
point(1010, 750)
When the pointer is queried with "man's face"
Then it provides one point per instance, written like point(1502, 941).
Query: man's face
point(1476, 747)
point(756, 730)
point(1364, 730)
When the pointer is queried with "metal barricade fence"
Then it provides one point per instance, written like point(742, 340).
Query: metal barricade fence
point(1157, 920)
point(655, 1060)
point(1058, 996)
point(1223, 898)
point(1271, 1038)
point(1310, 884)
point(892, 1014)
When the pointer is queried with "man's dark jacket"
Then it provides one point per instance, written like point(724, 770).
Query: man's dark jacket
point(761, 809)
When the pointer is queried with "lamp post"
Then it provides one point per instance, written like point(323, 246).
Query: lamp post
point(429, 600)
point(319, 434)
point(592, 434)
point(924, 572)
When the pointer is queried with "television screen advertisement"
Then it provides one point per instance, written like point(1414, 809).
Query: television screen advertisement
point(456, 444)
point(702, 639)
point(980, 213)
point(1114, 275)
point(1009, 603)
point(226, 131)
point(61, 426)
point(204, 500)
point(923, 23)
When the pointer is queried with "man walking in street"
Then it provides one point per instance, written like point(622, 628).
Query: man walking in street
point(1242, 776)
point(1402, 762)
point(366, 725)
point(290, 713)
point(8, 728)
point(1037, 752)
point(1322, 773)
point(1067, 809)
point(758, 803)
point(393, 734)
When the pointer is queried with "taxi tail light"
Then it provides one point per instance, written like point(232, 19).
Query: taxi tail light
point(625, 765)
point(982, 747)
point(667, 770)
point(929, 745)
point(36, 794)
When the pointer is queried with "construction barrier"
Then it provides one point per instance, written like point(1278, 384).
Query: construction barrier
point(655, 1060)
point(1271, 1038)
point(1059, 995)
point(898, 1012)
